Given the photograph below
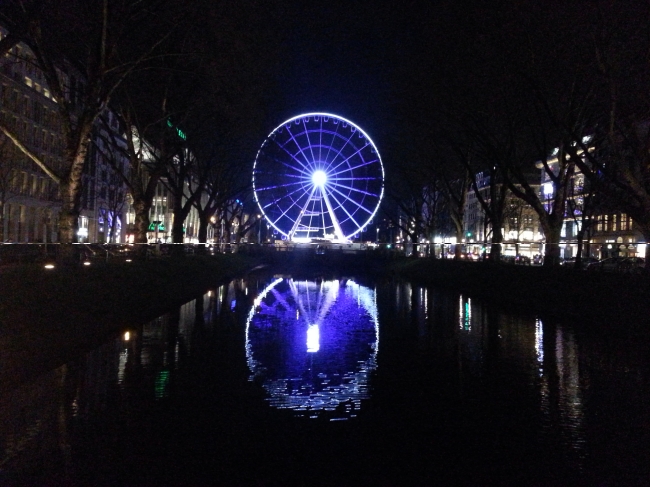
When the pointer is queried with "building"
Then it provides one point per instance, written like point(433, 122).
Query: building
point(103, 201)
point(608, 232)
point(30, 199)
point(521, 230)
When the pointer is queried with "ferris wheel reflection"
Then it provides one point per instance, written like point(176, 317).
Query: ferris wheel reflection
point(313, 345)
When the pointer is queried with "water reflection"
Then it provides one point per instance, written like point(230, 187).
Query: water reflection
point(313, 344)
point(525, 398)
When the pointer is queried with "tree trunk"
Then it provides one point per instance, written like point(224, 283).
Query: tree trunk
point(204, 222)
point(458, 248)
point(2, 221)
point(497, 241)
point(68, 223)
point(69, 214)
point(177, 229)
point(142, 222)
point(70, 188)
point(552, 252)
point(580, 236)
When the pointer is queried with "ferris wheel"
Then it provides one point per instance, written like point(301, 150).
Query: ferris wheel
point(318, 175)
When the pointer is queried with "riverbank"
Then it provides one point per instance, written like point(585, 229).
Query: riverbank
point(46, 315)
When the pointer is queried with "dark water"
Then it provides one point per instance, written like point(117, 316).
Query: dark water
point(274, 381)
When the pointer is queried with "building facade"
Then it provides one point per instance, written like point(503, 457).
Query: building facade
point(30, 199)
point(521, 231)
point(607, 232)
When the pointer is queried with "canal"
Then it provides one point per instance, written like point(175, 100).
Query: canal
point(271, 380)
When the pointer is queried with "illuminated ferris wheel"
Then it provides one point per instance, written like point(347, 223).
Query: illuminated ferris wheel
point(318, 176)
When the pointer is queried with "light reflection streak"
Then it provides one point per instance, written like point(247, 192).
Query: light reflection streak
point(539, 344)
point(465, 314)
point(124, 357)
point(425, 301)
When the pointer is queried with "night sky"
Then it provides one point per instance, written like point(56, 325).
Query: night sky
point(354, 59)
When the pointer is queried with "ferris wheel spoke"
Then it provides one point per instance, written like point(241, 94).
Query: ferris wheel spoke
point(337, 135)
point(303, 169)
point(330, 146)
point(301, 215)
point(352, 168)
point(345, 210)
point(275, 201)
point(347, 159)
point(354, 202)
point(277, 186)
point(284, 213)
point(305, 164)
point(340, 151)
point(279, 298)
point(369, 180)
point(356, 190)
point(311, 148)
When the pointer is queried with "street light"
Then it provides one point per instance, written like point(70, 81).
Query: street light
point(259, 229)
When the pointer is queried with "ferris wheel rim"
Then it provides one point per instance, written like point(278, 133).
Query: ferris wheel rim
point(337, 189)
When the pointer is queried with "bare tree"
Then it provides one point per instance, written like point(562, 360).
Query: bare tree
point(85, 52)
point(224, 185)
point(111, 152)
point(583, 206)
point(516, 213)
point(455, 192)
point(616, 157)
point(181, 180)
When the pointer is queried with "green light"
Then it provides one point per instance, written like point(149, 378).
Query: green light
point(152, 227)
point(162, 381)
point(179, 132)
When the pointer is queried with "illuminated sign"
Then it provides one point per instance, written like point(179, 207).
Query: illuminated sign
point(179, 132)
point(160, 225)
